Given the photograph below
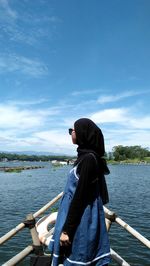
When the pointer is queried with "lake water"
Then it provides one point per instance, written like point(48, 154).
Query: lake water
point(26, 192)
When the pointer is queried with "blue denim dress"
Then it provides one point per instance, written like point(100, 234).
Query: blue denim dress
point(90, 245)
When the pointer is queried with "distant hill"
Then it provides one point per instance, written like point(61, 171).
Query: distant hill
point(38, 153)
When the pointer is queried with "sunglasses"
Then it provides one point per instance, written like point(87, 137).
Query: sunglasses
point(70, 130)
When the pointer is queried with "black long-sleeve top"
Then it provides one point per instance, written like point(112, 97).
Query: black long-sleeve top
point(87, 170)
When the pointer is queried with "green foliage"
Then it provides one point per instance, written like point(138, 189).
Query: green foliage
point(147, 159)
point(122, 153)
point(11, 170)
point(119, 153)
point(24, 157)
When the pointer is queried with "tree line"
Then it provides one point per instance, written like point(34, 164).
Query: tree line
point(38, 158)
point(119, 153)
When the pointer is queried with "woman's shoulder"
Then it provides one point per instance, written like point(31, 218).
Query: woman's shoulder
point(90, 156)
point(88, 160)
point(88, 165)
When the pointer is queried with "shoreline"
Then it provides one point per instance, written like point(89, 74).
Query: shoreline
point(19, 168)
point(127, 163)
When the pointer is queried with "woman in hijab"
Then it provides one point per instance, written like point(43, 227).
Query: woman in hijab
point(80, 236)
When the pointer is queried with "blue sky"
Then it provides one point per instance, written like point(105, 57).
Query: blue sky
point(62, 60)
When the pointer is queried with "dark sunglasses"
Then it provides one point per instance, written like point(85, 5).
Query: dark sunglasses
point(70, 130)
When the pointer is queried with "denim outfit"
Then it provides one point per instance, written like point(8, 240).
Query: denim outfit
point(90, 245)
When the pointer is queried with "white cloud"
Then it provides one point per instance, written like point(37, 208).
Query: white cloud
point(13, 24)
point(130, 129)
point(121, 117)
point(126, 137)
point(113, 98)
point(15, 63)
point(118, 115)
point(14, 33)
point(14, 117)
point(55, 141)
point(23, 127)
point(57, 137)
point(9, 11)
point(143, 122)
point(27, 102)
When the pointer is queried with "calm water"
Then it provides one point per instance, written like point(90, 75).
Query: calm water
point(129, 190)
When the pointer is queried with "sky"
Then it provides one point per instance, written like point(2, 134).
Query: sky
point(61, 60)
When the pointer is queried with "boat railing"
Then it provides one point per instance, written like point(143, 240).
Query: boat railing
point(110, 218)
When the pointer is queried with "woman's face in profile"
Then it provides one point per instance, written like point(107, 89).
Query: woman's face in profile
point(73, 135)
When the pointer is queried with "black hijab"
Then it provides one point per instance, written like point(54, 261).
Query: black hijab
point(89, 139)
